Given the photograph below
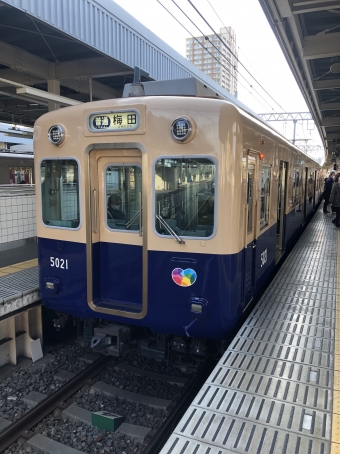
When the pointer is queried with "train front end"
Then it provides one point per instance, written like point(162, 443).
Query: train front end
point(138, 214)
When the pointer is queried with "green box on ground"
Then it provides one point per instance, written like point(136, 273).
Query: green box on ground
point(106, 420)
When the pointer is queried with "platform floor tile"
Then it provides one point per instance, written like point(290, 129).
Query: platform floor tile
point(274, 390)
point(18, 283)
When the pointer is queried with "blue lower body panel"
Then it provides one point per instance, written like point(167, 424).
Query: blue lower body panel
point(119, 281)
point(196, 295)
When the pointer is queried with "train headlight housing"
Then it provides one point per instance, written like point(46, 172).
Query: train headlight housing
point(56, 134)
point(198, 307)
point(181, 129)
point(52, 284)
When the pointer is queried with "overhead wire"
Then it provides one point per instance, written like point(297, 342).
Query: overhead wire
point(199, 42)
point(235, 56)
point(231, 37)
point(208, 50)
point(218, 50)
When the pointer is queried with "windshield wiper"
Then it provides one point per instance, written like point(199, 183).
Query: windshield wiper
point(169, 229)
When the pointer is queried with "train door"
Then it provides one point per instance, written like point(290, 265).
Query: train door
point(315, 188)
point(117, 242)
point(251, 223)
point(305, 196)
point(281, 210)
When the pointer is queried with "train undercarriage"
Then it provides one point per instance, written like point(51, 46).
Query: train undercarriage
point(117, 340)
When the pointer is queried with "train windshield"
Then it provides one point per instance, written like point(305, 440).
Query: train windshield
point(60, 193)
point(185, 196)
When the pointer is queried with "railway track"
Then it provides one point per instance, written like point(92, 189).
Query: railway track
point(161, 436)
point(22, 427)
point(166, 413)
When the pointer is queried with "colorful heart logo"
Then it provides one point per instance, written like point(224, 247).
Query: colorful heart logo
point(184, 278)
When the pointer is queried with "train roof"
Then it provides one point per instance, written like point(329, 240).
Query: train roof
point(192, 87)
point(189, 86)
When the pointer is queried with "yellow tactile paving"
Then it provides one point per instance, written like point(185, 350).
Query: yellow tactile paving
point(336, 402)
point(6, 270)
point(337, 362)
point(336, 380)
point(336, 428)
point(25, 265)
point(18, 267)
point(335, 448)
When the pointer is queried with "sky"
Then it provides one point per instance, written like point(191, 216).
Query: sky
point(259, 51)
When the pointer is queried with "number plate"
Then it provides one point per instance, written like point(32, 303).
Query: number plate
point(56, 262)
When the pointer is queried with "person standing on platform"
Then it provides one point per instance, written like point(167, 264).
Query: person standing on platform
point(328, 190)
point(334, 199)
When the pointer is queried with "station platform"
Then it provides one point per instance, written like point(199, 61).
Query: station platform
point(277, 387)
point(20, 312)
point(19, 286)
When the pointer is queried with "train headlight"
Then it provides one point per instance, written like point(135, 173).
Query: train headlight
point(181, 129)
point(56, 134)
point(52, 284)
point(198, 307)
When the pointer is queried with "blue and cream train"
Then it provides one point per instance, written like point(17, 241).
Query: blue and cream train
point(165, 212)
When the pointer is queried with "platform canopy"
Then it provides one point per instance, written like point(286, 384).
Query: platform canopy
point(309, 35)
point(60, 52)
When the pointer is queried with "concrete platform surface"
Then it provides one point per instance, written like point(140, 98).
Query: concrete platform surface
point(112, 391)
point(19, 287)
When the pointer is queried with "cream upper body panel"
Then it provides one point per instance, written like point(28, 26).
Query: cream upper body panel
point(220, 132)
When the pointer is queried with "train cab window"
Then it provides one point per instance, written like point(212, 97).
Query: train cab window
point(60, 193)
point(265, 193)
point(123, 197)
point(185, 197)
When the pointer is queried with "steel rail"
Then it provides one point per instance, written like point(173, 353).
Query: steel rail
point(21, 427)
point(161, 436)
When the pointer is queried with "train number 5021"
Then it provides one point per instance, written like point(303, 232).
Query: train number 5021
point(59, 263)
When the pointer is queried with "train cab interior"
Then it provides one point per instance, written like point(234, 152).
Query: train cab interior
point(123, 186)
point(60, 193)
point(185, 196)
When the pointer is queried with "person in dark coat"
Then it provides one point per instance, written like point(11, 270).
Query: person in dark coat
point(113, 207)
point(328, 188)
point(334, 199)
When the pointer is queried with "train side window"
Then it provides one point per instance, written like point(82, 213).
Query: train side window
point(185, 196)
point(60, 193)
point(123, 196)
point(265, 193)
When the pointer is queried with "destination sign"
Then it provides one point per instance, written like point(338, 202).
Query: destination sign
point(114, 121)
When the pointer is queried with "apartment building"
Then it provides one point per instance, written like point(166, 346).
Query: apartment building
point(215, 59)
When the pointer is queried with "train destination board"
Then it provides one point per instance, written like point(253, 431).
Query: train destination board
point(114, 121)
